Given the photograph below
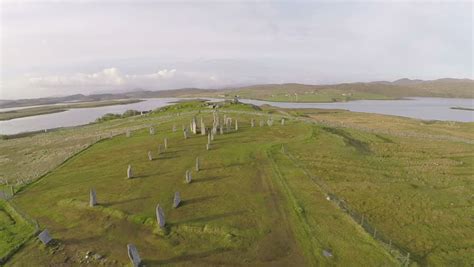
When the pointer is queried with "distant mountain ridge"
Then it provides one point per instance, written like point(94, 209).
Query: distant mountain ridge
point(446, 87)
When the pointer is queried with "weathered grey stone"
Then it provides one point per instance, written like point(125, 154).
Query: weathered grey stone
point(176, 200)
point(197, 164)
point(203, 127)
point(92, 198)
point(221, 129)
point(45, 237)
point(282, 121)
point(150, 156)
point(133, 255)
point(160, 216)
point(327, 253)
point(185, 132)
point(209, 138)
point(261, 123)
point(194, 126)
point(160, 149)
point(188, 177)
point(127, 133)
point(208, 147)
point(152, 130)
point(212, 136)
point(236, 125)
point(252, 123)
point(129, 172)
point(174, 128)
point(165, 142)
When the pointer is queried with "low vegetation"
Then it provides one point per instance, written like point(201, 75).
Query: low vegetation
point(264, 195)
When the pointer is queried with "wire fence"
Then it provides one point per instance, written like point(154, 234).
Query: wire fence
point(395, 250)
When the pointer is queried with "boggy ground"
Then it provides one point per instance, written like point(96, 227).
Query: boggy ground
point(258, 199)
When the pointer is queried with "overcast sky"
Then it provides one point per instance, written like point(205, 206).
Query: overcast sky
point(66, 47)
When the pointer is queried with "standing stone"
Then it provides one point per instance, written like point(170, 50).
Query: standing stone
point(160, 149)
point(129, 172)
point(209, 138)
point(92, 198)
point(203, 127)
point(165, 141)
point(208, 147)
point(189, 178)
point(185, 132)
point(152, 130)
point(194, 126)
point(236, 125)
point(197, 164)
point(252, 123)
point(44, 237)
point(176, 200)
point(133, 255)
point(261, 123)
point(160, 216)
point(174, 128)
point(221, 129)
point(212, 136)
point(282, 121)
point(127, 133)
point(150, 156)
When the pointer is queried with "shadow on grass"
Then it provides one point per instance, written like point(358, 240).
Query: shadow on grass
point(108, 204)
point(210, 218)
point(186, 257)
point(197, 200)
point(209, 179)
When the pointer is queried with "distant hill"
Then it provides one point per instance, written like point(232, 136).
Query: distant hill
point(447, 87)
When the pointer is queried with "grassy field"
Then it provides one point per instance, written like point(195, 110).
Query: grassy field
point(260, 197)
point(27, 112)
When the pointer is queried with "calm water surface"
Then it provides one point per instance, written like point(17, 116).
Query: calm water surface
point(420, 108)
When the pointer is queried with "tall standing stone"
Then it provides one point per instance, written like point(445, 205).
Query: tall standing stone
point(160, 149)
point(152, 130)
point(185, 132)
point(212, 136)
point(252, 123)
point(203, 127)
point(150, 156)
point(92, 198)
point(221, 129)
point(197, 164)
point(236, 125)
point(282, 121)
point(127, 133)
point(129, 172)
point(176, 200)
point(194, 125)
point(209, 138)
point(188, 177)
point(165, 142)
point(133, 255)
point(208, 146)
point(160, 216)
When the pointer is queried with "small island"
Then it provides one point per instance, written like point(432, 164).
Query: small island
point(463, 108)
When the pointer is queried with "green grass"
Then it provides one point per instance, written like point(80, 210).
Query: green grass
point(252, 203)
point(14, 230)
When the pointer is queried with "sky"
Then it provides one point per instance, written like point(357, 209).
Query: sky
point(54, 48)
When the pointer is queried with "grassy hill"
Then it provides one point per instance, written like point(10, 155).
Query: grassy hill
point(326, 181)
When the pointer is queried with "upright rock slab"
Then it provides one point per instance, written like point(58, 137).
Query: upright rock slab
point(236, 125)
point(150, 156)
point(165, 142)
point(176, 200)
point(160, 216)
point(188, 178)
point(129, 172)
point(92, 198)
point(45, 237)
point(252, 123)
point(133, 255)
point(152, 130)
point(127, 133)
point(282, 121)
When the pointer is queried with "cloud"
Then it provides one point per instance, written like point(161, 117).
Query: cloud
point(109, 77)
